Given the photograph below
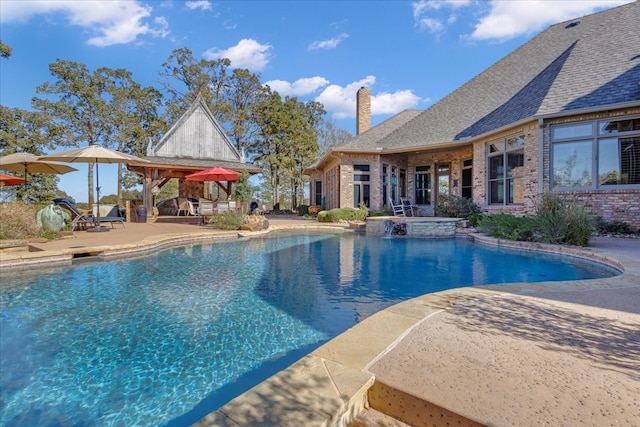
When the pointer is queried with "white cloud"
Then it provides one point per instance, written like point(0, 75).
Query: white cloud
point(110, 22)
point(248, 53)
point(328, 44)
point(199, 4)
point(393, 103)
point(341, 101)
point(500, 19)
point(300, 87)
point(506, 20)
point(433, 25)
point(431, 15)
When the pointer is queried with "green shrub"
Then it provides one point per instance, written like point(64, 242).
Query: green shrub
point(507, 226)
point(302, 210)
point(456, 207)
point(551, 202)
point(562, 220)
point(558, 221)
point(342, 214)
point(229, 220)
point(613, 227)
point(474, 219)
point(18, 220)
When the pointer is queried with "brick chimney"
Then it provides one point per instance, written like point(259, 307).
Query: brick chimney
point(363, 110)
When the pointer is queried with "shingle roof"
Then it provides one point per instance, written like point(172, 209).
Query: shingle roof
point(582, 63)
point(197, 164)
point(370, 139)
point(377, 133)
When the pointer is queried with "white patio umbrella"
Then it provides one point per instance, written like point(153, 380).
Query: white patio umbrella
point(94, 154)
point(30, 163)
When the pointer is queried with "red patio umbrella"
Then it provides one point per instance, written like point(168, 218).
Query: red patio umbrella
point(216, 175)
point(10, 180)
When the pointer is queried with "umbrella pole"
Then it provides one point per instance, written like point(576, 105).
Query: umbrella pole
point(97, 226)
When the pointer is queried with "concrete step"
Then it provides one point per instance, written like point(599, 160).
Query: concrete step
point(373, 418)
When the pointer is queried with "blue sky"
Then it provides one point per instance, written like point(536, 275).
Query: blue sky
point(409, 53)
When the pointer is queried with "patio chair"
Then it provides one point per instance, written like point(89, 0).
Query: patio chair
point(222, 207)
point(398, 210)
point(186, 206)
point(408, 207)
point(206, 208)
point(78, 219)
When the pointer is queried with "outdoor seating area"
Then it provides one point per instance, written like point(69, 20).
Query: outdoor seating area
point(189, 207)
point(84, 221)
point(404, 208)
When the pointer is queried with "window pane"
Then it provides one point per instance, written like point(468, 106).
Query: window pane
point(423, 168)
point(467, 183)
point(516, 142)
point(571, 131)
point(619, 126)
point(515, 164)
point(423, 189)
point(361, 168)
point(515, 173)
point(572, 165)
point(496, 167)
point(366, 196)
point(361, 177)
point(619, 161)
point(496, 192)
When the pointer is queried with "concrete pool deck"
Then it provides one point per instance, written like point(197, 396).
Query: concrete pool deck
point(555, 353)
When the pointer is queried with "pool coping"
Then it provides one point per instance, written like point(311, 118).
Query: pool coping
point(329, 386)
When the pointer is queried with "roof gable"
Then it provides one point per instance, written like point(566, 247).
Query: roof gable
point(196, 135)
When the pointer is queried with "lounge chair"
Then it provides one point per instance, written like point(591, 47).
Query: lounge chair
point(78, 219)
point(398, 210)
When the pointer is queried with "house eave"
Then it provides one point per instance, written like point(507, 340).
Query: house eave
point(589, 110)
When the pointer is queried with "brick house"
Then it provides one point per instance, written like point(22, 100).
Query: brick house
point(561, 113)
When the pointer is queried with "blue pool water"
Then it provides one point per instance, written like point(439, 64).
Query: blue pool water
point(167, 338)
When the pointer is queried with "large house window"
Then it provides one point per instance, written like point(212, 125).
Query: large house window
point(506, 171)
point(596, 154)
point(466, 187)
point(423, 185)
point(361, 185)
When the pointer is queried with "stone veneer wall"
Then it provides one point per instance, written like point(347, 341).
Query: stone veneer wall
point(192, 189)
point(415, 227)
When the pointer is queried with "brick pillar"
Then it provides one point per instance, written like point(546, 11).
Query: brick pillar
point(363, 110)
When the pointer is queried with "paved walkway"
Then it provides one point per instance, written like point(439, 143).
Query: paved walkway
point(551, 353)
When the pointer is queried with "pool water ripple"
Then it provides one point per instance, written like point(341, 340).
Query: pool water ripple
point(145, 341)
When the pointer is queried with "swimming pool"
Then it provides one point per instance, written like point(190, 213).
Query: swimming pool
point(165, 339)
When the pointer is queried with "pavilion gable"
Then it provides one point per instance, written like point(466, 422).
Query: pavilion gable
point(196, 135)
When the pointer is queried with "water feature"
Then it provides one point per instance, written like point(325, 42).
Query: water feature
point(167, 338)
